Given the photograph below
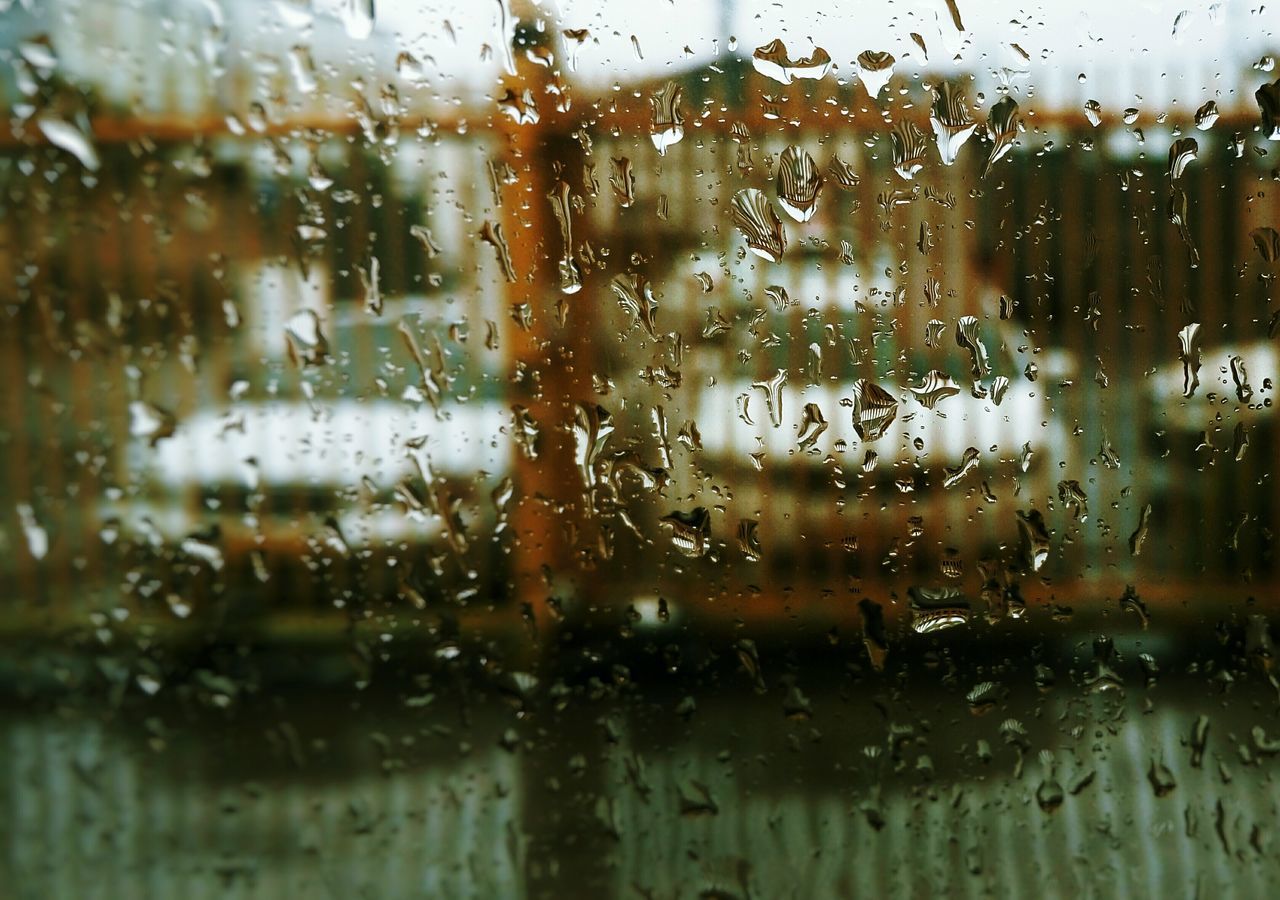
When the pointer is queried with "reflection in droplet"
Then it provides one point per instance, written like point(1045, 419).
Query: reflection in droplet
point(755, 218)
point(812, 425)
point(491, 233)
point(1093, 112)
point(909, 147)
point(1189, 355)
point(635, 296)
point(798, 183)
point(1268, 97)
point(842, 174)
point(749, 540)
point(874, 410)
point(1181, 153)
point(71, 138)
point(667, 124)
point(952, 124)
point(937, 387)
point(967, 337)
point(772, 61)
point(1206, 116)
point(357, 18)
point(1267, 240)
point(146, 420)
point(690, 531)
point(952, 475)
point(1035, 538)
point(772, 390)
point(623, 180)
point(1002, 129)
point(937, 609)
point(306, 342)
point(875, 68)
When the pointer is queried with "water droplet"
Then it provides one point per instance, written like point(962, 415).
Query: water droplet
point(1189, 355)
point(952, 125)
point(1181, 153)
point(875, 68)
point(303, 69)
point(937, 387)
point(967, 337)
point(1268, 97)
point(772, 389)
point(36, 536)
point(357, 18)
point(491, 233)
point(1034, 537)
point(812, 426)
point(937, 609)
point(306, 342)
point(623, 181)
point(635, 296)
point(842, 174)
point(909, 148)
point(772, 61)
point(150, 422)
point(754, 217)
point(71, 138)
point(1161, 779)
point(592, 426)
point(667, 125)
point(1002, 128)
point(749, 540)
point(1267, 241)
point(1093, 112)
point(690, 531)
point(874, 410)
point(953, 475)
point(1206, 116)
point(798, 183)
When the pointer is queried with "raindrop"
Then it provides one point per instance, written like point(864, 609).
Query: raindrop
point(36, 535)
point(937, 609)
point(875, 68)
point(1181, 153)
point(1093, 112)
point(909, 148)
point(1002, 129)
point(1206, 116)
point(772, 61)
point(357, 18)
point(937, 387)
point(690, 531)
point(755, 218)
point(70, 138)
point(1268, 97)
point(306, 342)
point(667, 125)
point(874, 410)
point(798, 183)
point(1189, 354)
point(952, 125)
point(1034, 537)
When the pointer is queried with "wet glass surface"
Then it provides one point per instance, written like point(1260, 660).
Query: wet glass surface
point(708, 450)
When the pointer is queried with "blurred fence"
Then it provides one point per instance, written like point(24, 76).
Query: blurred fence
point(157, 291)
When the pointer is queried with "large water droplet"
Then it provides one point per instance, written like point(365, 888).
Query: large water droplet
point(754, 216)
point(875, 68)
point(874, 410)
point(357, 18)
point(952, 124)
point(798, 183)
point(667, 125)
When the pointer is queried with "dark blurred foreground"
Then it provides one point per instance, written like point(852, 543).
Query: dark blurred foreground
point(1063, 767)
